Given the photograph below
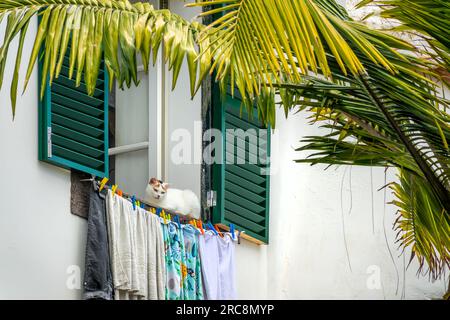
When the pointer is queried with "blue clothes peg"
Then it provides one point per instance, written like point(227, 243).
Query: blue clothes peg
point(158, 212)
point(133, 201)
point(177, 220)
point(232, 230)
point(210, 226)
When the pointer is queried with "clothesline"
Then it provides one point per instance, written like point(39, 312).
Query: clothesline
point(130, 197)
point(183, 219)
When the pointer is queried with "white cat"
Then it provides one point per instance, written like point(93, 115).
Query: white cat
point(159, 194)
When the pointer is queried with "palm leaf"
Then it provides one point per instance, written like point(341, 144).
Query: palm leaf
point(425, 18)
point(253, 42)
point(422, 224)
point(115, 29)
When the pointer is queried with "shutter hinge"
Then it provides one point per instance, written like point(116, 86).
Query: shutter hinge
point(49, 142)
point(211, 198)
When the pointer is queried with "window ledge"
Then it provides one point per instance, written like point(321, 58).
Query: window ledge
point(243, 235)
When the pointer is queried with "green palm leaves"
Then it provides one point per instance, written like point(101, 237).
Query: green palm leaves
point(427, 18)
point(260, 42)
point(91, 28)
point(422, 224)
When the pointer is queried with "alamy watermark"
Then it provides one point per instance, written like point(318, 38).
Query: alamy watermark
point(234, 146)
point(373, 281)
point(73, 281)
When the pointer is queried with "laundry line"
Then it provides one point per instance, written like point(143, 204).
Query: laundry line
point(99, 185)
point(182, 218)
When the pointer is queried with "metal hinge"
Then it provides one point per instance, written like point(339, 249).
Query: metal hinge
point(211, 198)
point(49, 142)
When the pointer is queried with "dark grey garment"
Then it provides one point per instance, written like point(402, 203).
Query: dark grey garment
point(97, 275)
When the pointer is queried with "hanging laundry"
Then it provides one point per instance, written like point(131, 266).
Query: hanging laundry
point(139, 236)
point(121, 246)
point(227, 267)
point(218, 268)
point(136, 250)
point(175, 261)
point(134, 254)
point(193, 289)
point(97, 276)
point(156, 259)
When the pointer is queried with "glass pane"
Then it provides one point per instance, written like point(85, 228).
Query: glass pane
point(132, 117)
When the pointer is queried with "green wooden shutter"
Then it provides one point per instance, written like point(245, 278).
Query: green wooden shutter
point(73, 126)
point(242, 189)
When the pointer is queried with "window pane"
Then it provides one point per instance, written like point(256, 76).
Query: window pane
point(131, 169)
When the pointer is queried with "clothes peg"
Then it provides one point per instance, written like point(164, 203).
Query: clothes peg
point(200, 225)
point(133, 201)
point(177, 220)
point(113, 189)
point(211, 227)
point(138, 203)
point(119, 193)
point(103, 183)
point(158, 211)
point(218, 230)
point(232, 230)
point(142, 205)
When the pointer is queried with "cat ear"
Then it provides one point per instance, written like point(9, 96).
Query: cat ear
point(153, 181)
point(165, 186)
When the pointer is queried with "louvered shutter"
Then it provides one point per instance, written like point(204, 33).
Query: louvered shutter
point(73, 126)
point(242, 188)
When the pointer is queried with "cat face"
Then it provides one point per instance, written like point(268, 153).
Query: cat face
point(158, 189)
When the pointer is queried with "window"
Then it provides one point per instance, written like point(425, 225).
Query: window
point(241, 178)
point(73, 127)
point(133, 151)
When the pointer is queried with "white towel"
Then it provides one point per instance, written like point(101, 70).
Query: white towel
point(141, 261)
point(227, 278)
point(137, 251)
point(126, 260)
point(156, 259)
point(218, 268)
point(119, 243)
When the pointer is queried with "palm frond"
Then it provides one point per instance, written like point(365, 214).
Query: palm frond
point(255, 43)
point(425, 18)
point(116, 30)
point(422, 224)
